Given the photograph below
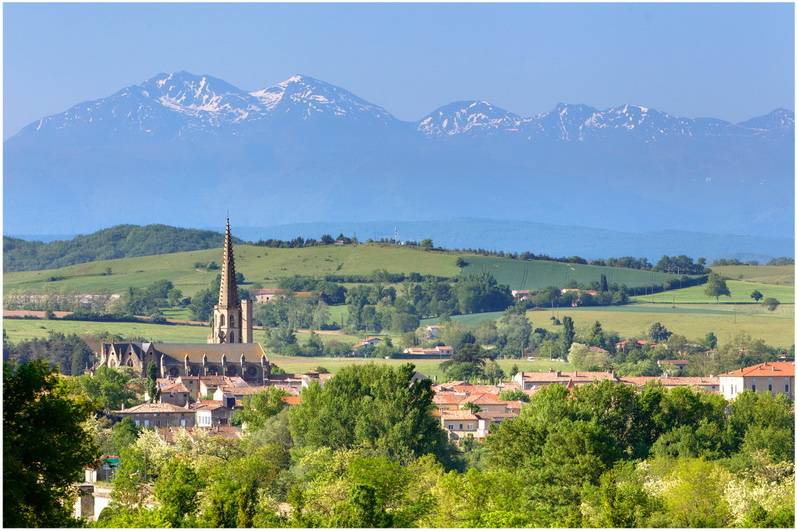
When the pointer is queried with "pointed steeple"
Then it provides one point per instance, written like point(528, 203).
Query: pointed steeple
point(228, 291)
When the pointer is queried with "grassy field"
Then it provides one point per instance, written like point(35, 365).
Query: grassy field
point(258, 264)
point(690, 320)
point(783, 275)
point(519, 274)
point(18, 329)
point(740, 293)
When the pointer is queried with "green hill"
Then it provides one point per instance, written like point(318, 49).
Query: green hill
point(121, 241)
point(766, 274)
point(267, 265)
point(535, 274)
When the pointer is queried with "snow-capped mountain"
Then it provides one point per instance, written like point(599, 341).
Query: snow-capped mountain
point(305, 97)
point(177, 145)
point(468, 117)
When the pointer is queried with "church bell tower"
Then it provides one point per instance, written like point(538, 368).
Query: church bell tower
point(232, 317)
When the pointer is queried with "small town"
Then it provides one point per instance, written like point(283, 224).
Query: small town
point(367, 265)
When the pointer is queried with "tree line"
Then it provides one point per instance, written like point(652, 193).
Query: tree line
point(364, 450)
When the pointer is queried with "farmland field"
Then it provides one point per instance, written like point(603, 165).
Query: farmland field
point(520, 274)
point(783, 275)
point(690, 320)
point(18, 329)
point(740, 293)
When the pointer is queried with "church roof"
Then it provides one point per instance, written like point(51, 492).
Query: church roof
point(214, 351)
point(228, 290)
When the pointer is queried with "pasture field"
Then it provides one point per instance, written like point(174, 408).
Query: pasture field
point(693, 321)
point(740, 293)
point(19, 329)
point(520, 274)
point(258, 264)
point(690, 320)
point(782, 275)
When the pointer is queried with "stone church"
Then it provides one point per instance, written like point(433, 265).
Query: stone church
point(229, 351)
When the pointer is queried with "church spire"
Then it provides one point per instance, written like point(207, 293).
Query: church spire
point(228, 290)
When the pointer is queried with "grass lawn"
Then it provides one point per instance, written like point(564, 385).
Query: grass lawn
point(783, 275)
point(740, 293)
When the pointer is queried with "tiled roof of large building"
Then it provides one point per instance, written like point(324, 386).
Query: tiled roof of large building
point(153, 408)
point(768, 368)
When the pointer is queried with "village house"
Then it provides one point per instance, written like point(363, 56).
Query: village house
point(173, 392)
point(212, 413)
point(774, 377)
point(521, 294)
point(159, 415)
point(266, 295)
point(672, 366)
point(531, 381)
point(439, 351)
point(367, 342)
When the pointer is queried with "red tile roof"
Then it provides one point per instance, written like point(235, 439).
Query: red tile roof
point(768, 368)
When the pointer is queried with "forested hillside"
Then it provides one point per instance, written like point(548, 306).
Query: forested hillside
point(121, 241)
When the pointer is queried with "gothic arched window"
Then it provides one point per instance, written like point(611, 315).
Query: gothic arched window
point(232, 321)
point(232, 337)
point(221, 320)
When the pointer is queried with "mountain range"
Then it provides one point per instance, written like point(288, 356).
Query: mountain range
point(183, 149)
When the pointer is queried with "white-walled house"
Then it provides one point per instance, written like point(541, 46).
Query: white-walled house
point(772, 377)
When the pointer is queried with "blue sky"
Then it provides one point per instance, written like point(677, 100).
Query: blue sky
point(730, 61)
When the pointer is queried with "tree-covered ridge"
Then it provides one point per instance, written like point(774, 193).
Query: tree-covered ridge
point(120, 241)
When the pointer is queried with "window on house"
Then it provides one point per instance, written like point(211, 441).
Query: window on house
point(769, 387)
point(787, 388)
point(754, 388)
point(460, 426)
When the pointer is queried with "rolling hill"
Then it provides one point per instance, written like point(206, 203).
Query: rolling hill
point(266, 265)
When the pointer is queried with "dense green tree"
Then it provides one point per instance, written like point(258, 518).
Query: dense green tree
point(176, 489)
point(260, 407)
point(658, 332)
point(568, 333)
point(466, 363)
point(716, 287)
point(45, 447)
point(372, 406)
point(109, 388)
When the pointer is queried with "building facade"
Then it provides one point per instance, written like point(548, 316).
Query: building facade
point(774, 377)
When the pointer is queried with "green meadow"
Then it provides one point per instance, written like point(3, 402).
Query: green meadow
point(520, 274)
point(783, 275)
point(690, 320)
point(740, 293)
